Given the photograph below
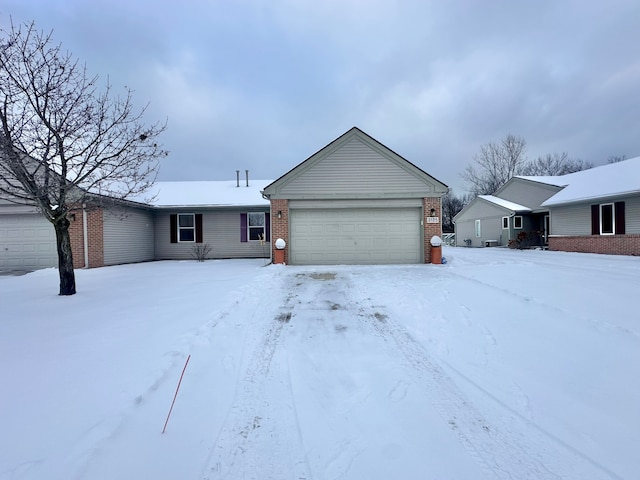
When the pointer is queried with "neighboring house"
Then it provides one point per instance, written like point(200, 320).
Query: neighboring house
point(356, 202)
point(598, 210)
point(231, 217)
point(595, 210)
point(512, 214)
point(227, 216)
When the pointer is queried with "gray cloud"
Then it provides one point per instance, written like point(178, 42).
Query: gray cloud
point(263, 85)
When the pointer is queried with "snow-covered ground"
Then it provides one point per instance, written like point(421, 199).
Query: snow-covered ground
point(500, 364)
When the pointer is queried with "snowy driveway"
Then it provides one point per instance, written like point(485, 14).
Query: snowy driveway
point(416, 372)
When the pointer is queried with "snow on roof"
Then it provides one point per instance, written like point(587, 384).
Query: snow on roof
point(609, 180)
point(501, 202)
point(206, 194)
point(557, 180)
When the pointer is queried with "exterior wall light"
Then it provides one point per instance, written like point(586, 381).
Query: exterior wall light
point(279, 213)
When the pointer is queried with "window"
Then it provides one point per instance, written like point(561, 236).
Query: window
point(256, 225)
point(186, 227)
point(517, 222)
point(505, 222)
point(478, 229)
point(607, 222)
point(608, 219)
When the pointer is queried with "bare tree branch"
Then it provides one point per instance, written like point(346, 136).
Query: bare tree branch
point(63, 139)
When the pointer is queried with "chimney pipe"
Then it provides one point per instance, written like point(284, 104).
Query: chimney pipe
point(246, 172)
point(237, 178)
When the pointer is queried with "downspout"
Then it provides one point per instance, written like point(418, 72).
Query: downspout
point(84, 235)
point(266, 197)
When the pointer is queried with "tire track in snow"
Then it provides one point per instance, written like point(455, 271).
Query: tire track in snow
point(255, 440)
point(514, 450)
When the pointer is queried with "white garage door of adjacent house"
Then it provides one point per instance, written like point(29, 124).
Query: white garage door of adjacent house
point(355, 236)
point(27, 241)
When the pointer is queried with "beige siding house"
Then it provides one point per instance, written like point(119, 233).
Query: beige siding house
point(356, 202)
point(594, 211)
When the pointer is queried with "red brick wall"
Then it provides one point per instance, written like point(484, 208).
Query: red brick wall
point(431, 229)
point(94, 234)
point(280, 226)
point(608, 244)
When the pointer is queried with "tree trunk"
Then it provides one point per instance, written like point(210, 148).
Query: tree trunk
point(65, 258)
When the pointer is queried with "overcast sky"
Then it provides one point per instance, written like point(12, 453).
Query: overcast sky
point(262, 85)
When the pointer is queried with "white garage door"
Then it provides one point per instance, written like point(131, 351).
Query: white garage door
point(355, 236)
point(27, 241)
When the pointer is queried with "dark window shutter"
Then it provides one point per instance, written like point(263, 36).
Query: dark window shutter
point(619, 216)
point(198, 228)
point(267, 227)
point(243, 227)
point(173, 226)
point(595, 219)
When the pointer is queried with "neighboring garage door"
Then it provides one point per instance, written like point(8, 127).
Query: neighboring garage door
point(355, 236)
point(27, 241)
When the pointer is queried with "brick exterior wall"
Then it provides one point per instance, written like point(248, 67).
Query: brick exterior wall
point(607, 244)
point(95, 236)
point(431, 229)
point(280, 226)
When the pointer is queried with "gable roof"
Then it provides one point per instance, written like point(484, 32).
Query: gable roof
point(611, 180)
point(501, 202)
point(506, 205)
point(353, 134)
point(208, 194)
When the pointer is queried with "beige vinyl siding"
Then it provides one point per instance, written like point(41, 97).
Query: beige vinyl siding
point(220, 230)
point(632, 214)
point(571, 220)
point(576, 219)
point(491, 224)
point(128, 236)
point(527, 193)
point(356, 169)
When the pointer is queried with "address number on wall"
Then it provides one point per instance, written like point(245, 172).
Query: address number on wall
point(433, 219)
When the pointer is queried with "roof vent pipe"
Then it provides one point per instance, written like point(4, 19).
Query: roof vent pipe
point(237, 178)
point(246, 172)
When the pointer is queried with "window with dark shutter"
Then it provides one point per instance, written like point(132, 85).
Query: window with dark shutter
point(198, 228)
point(606, 219)
point(243, 227)
point(619, 218)
point(595, 219)
point(173, 227)
point(267, 227)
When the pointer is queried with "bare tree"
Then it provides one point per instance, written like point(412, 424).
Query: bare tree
point(555, 164)
point(616, 158)
point(451, 206)
point(496, 164)
point(63, 138)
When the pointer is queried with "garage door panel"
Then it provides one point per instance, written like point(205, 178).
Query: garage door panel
point(356, 236)
point(27, 241)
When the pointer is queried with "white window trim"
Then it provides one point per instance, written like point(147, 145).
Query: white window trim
point(613, 219)
point(515, 226)
point(193, 215)
point(478, 227)
point(249, 226)
point(503, 226)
